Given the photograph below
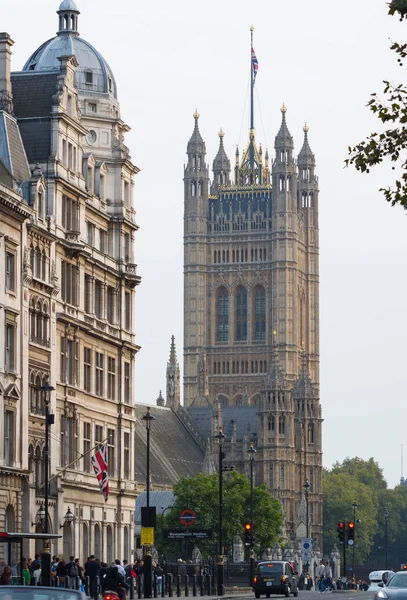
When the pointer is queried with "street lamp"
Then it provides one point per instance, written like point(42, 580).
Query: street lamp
point(221, 438)
point(68, 518)
point(148, 565)
point(355, 505)
point(40, 517)
point(386, 516)
point(252, 452)
point(306, 489)
point(46, 390)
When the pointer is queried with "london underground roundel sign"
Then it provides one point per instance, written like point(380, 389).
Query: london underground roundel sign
point(187, 517)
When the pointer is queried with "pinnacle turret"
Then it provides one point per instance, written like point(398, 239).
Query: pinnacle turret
point(306, 157)
point(173, 378)
point(284, 139)
point(196, 144)
point(160, 400)
point(221, 166)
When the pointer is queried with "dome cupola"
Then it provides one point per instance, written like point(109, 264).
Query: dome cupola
point(68, 17)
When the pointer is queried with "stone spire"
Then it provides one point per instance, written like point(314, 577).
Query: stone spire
point(196, 145)
point(160, 400)
point(306, 157)
point(221, 166)
point(208, 465)
point(304, 388)
point(284, 139)
point(173, 378)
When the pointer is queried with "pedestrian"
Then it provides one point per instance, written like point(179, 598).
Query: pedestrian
point(328, 576)
point(320, 574)
point(5, 577)
point(61, 573)
point(72, 573)
point(159, 573)
point(92, 570)
point(25, 572)
point(115, 582)
point(120, 568)
point(102, 575)
point(34, 565)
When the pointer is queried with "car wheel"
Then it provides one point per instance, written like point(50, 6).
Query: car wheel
point(257, 594)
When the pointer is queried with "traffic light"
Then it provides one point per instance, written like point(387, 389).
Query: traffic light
point(247, 534)
point(351, 533)
point(341, 531)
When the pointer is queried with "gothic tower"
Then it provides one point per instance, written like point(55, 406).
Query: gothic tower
point(251, 308)
point(173, 380)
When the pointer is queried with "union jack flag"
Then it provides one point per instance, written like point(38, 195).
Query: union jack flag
point(99, 462)
point(255, 65)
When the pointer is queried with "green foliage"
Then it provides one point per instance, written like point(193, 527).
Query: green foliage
point(392, 142)
point(200, 493)
point(400, 7)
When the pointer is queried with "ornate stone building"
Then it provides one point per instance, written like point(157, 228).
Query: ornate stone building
point(72, 309)
point(251, 311)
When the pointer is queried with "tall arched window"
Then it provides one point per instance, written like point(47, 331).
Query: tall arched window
point(281, 425)
point(241, 314)
point(311, 480)
point(259, 314)
point(311, 433)
point(271, 478)
point(282, 478)
point(222, 315)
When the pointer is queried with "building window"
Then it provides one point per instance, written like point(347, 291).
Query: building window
point(311, 480)
point(311, 433)
point(39, 322)
point(10, 271)
point(89, 76)
point(127, 382)
point(98, 435)
point(102, 241)
point(68, 440)
point(87, 369)
point(126, 454)
point(127, 247)
point(9, 438)
point(127, 311)
point(40, 205)
point(281, 425)
point(69, 283)
point(90, 233)
point(99, 292)
point(111, 451)
point(260, 314)
point(241, 314)
point(10, 357)
point(271, 479)
point(111, 378)
point(271, 423)
point(111, 305)
point(69, 214)
point(69, 361)
point(222, 315)
point(282, 478)
point(88, 294)
point(86, 448)
point(126, 191)
point(99, 373)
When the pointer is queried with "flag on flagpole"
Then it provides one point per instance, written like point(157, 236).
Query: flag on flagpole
point(99, 462)
point(255, 65)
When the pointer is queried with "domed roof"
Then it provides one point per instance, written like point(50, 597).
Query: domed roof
point(93, 73)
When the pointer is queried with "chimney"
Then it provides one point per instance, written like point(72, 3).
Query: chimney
point(6, 98)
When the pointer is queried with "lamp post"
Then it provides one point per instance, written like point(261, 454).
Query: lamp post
point(148, 565)
point(46, 550)
point(69, 517)
point(355, 505)
point(386, 516)
point(221, 438)
point(306, 489)
point(252, 452)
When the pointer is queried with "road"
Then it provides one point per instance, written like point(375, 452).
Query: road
point(311, 595)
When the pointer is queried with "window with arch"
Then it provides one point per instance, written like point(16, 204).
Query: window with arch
point(282, 478)
point(271, 423)
point(259, 314)
point(311, 480)
point(39, 322)
point(271, 478)
point(222, 316)
point(281, 425)
point(241, 314)
point(311, 433)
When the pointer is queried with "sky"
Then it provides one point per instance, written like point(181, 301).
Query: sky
point(321, 59)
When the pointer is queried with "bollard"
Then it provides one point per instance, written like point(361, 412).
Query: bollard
point(130, 583)
point(186, 585)
point(163, 586)
point(98, 589)
point(178, 586)
point(155, 586)
point(201, 585)
point(194, 585)
point(169, 584)
point(87, 585)
point(139, 587)
point(208, 584)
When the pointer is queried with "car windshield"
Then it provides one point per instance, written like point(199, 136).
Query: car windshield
point(31, 593)
point(398, 581)
point(269, 568)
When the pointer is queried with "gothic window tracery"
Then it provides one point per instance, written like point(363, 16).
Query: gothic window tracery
point(271, 478)
point(260, 314)
point(241, 314)
point(311, 433)
point(222, 315)
point(281, 425)
point(311, 480)
point(282, 478)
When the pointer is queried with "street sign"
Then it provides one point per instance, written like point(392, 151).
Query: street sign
point(187, 534)
point(187, 517)
point(306, 548)
point(147, 536)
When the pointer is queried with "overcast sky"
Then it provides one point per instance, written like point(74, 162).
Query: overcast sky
point(322, 59)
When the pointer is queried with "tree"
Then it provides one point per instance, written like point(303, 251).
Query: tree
point(200, 493)
point(392, 142)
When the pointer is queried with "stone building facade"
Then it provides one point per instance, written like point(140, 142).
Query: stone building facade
point(251, 311)
point(74, 294)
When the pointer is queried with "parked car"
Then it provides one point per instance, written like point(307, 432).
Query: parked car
point(274, 577)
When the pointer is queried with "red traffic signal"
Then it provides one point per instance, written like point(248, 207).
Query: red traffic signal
point(247, 527)
point(341, 531)
point(351, 525)
point(341, 526)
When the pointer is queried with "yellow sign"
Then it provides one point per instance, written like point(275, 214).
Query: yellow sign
point(147, 536)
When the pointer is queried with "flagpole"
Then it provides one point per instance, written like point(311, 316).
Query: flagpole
point(98, 445)
point(251, 102)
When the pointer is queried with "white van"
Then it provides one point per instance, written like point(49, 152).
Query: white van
point(376, 577)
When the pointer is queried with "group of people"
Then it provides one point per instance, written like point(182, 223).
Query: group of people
point(324, 577)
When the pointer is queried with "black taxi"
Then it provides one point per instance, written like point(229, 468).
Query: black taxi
point(274, 577)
